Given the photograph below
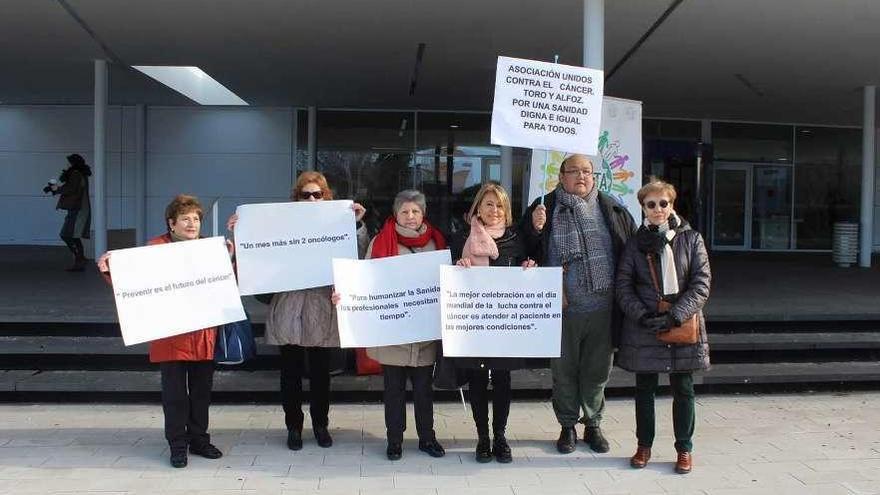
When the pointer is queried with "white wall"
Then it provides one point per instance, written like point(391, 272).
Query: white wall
point(34, 141)
point(239, 155)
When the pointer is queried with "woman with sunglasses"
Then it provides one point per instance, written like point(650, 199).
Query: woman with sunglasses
point(302, 323)
point(666, 245)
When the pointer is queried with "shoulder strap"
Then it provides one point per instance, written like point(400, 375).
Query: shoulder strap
point(653, 274)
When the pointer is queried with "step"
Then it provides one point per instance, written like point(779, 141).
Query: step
point(262, 381)
point(46, 345)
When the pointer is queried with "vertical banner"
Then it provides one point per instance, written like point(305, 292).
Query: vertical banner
point(170, 289)
point(289, 246)
point(620, 152)
point(541, 105)
point(501, 311)
point(389, 301)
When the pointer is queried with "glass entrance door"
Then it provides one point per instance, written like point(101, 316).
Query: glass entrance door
point(731, 209)
point(752, 207)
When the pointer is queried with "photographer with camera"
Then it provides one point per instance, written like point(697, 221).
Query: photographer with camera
point(74, 192)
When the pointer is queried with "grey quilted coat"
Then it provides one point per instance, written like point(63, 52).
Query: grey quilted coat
point(640, 351)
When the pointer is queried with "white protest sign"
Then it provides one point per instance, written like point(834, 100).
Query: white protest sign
point(289, 246)
point(389, 301)
point(541, 105)
point(618, 168)
point(170, 289)
point(501, 311)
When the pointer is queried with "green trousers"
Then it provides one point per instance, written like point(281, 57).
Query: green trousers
point(683, 416)
point(581, 372)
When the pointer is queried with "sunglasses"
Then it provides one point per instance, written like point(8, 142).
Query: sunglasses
point(651, 204)
point(313, 194)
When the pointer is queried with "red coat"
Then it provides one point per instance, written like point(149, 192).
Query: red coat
point(192, 346)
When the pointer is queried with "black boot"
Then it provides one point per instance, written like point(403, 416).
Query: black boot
point(567, 440)
point(484, 449)
point(294, 440)
point(178, 456)
point(501, 449)
point(394, 451)
point(595, 439)
point(322, 435)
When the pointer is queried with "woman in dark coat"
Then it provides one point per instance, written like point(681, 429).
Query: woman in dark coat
point(681, 268)
point(490, 241)
point(74, 198)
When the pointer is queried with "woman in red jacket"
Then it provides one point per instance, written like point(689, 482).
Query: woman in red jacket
point(186, 361)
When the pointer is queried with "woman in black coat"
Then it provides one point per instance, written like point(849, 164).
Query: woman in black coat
point(490, 241)
point(681, 273)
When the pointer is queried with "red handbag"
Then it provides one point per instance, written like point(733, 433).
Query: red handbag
point(689, 330)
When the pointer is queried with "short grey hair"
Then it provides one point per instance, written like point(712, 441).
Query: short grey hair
point(409, 196)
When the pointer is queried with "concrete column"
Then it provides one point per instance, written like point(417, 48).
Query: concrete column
point(866, 225)
point(507, 169)
point(594, 34)
point(294, 145)
point(313, 138)
point(99, 206)
point(140, 175)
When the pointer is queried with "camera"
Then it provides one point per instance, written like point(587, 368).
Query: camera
point(49, 185)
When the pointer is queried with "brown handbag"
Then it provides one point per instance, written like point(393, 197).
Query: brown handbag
point(689, 330)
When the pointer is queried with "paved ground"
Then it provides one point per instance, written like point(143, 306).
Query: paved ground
point(776, 444)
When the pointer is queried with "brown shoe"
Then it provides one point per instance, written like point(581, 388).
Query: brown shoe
point(684, 464)
point(641, 457)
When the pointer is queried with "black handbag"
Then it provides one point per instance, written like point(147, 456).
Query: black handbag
point(448, 376)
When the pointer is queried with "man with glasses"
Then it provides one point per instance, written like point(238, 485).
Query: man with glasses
point(583, 230)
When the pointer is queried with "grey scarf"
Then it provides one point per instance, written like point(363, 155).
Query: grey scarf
point(575, 220)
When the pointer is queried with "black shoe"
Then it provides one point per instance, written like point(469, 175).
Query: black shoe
point(502, 450)
point(178, 457)
point(432, 447)
point(484, 450)
point(595, 439)
point(394, 451)
point(322, 436)
point(567, 440)
point(294, 439)
point(207, 451)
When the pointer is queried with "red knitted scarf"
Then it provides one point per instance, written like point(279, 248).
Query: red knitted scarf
point(387, 239)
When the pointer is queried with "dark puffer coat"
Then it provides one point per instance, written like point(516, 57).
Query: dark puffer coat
point(511, 252)
point(640, 350)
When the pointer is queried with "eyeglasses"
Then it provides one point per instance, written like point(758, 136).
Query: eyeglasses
point(579, 172)
point(311, 194)
point(652, 204)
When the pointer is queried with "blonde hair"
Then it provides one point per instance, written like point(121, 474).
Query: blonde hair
point(656, 186)
point(496, 189)
point(181, 205)
point(311, 177)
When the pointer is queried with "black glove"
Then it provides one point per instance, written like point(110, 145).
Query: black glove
point(655, 322)
point(671, 321)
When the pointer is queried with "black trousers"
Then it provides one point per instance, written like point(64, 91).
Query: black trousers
point(186, 396)
point(394, 397)
point(292, 373)
point(478, 385)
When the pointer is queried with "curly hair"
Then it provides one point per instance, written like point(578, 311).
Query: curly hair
point(181, 205)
